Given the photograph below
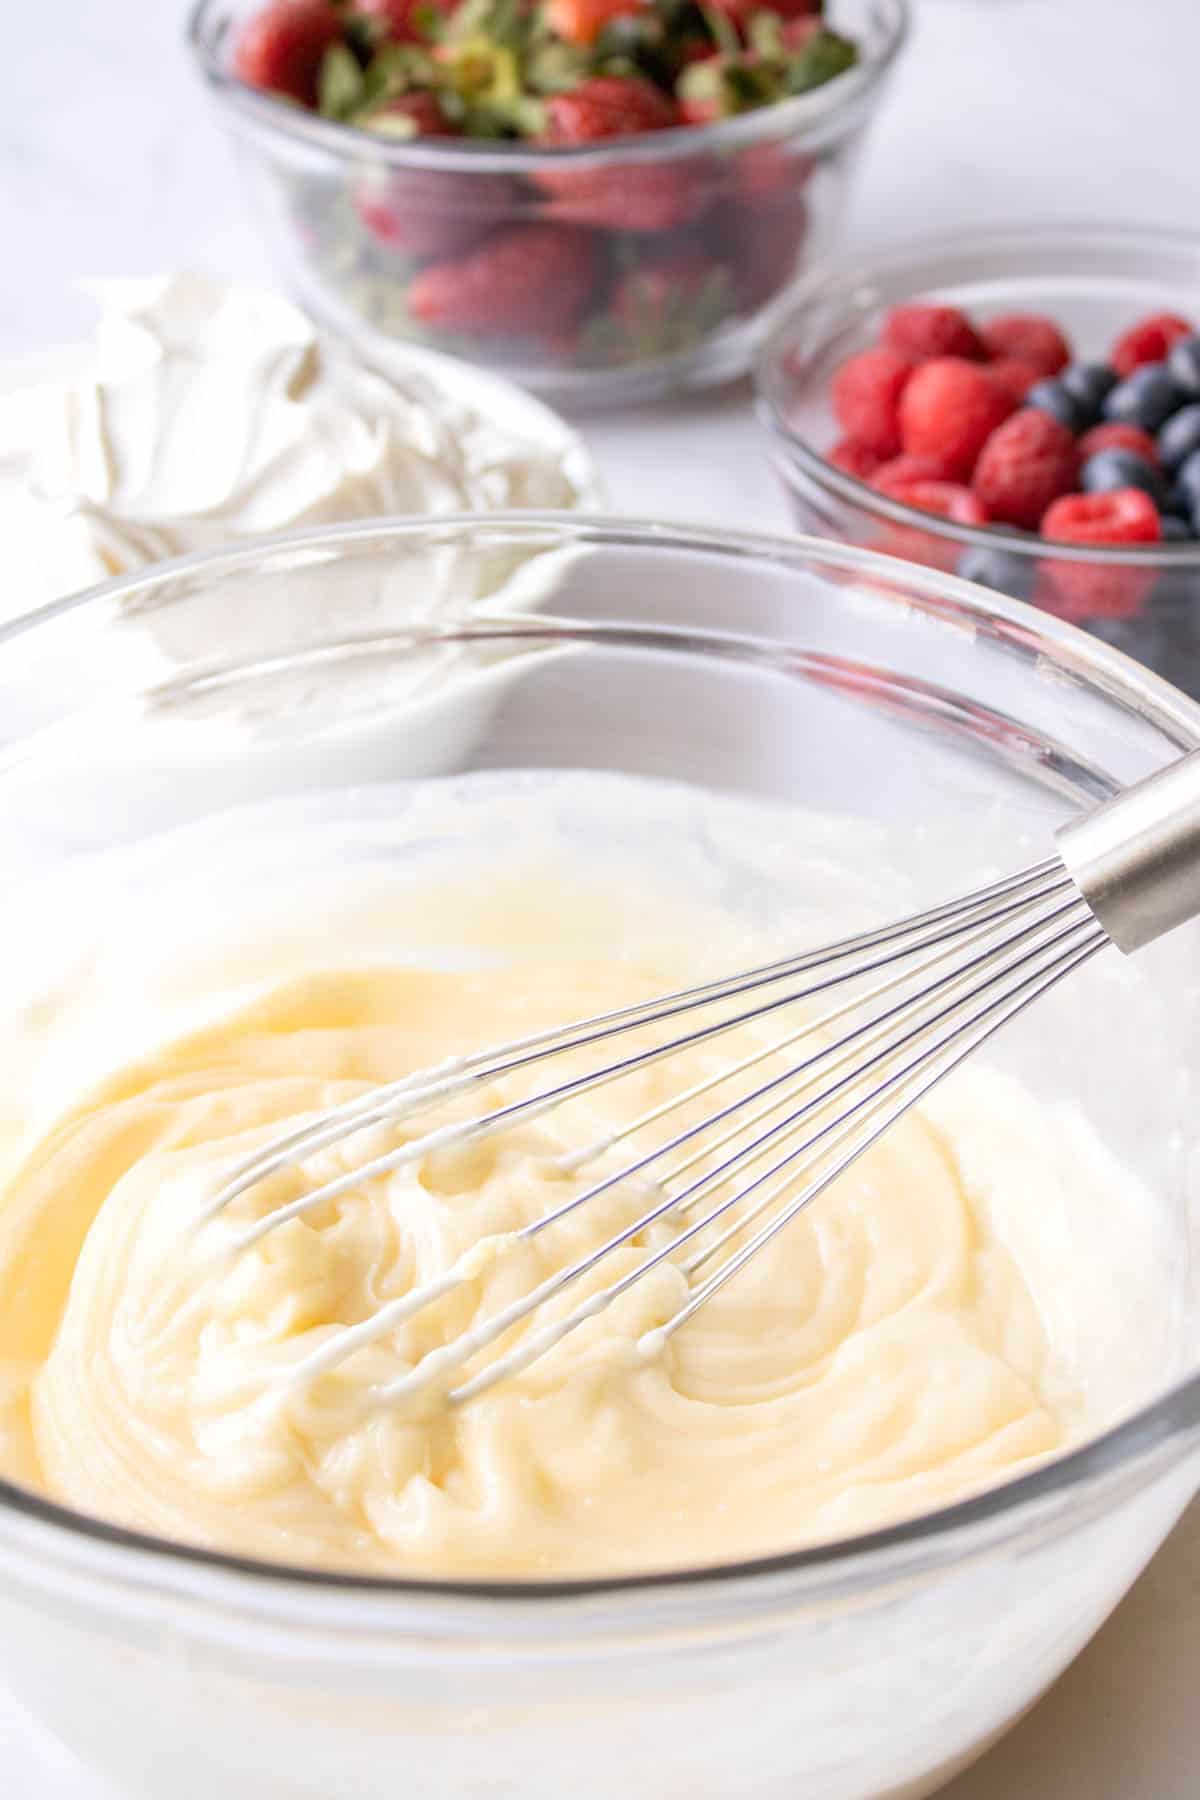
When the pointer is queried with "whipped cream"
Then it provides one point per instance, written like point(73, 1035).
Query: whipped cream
point(205, 412)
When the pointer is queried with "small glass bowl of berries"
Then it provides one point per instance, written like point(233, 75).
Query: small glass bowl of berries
point(1021, 409)
point(600, 197)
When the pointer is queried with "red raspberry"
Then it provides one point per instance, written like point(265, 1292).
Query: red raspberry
point(922, 331)
point(854, 459)
point(1118, 437)
point(866, 394)
point(948, 409)
point(909, 468)
point(1122, 516)
point(529, 279)
point(946, 498)
point(1094, 590)
point(1013, 377)
point(1148, 341)
point(654, 197)
point(1081, 591)
point(1027, 462)
point(281, 48)
point(1030, 338)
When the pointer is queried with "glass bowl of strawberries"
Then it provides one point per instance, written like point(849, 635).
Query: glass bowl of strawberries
point(600, 197)
point(1022, 409)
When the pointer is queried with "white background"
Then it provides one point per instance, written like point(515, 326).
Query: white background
point(1003, 110)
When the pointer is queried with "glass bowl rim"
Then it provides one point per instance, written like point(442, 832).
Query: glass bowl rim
point(792, 449)
point(1150, 1431)
point(477, 156)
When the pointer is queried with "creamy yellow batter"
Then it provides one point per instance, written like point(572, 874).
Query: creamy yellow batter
point(891, 1350)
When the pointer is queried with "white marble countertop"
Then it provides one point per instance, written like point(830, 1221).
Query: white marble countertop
point(1004, 110)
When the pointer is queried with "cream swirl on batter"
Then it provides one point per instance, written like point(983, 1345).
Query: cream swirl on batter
point(890, 1351)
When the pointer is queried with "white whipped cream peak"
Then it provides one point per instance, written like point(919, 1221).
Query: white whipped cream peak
point(205, 412)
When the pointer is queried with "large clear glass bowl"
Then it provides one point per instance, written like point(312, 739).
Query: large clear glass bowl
point(1096, 281)
point(685, 237)
point(812, 673)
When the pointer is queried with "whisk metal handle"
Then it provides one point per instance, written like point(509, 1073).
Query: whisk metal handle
point(1136, 859)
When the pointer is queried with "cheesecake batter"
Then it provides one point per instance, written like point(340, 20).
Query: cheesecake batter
point(907, 1341)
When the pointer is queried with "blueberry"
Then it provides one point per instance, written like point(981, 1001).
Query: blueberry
point(1110, 469)
point(1052, 397)
point(1147, 398)
point(1180, 435)
point(1089, 384)
point(1176, 530)
point(1002, 570)
point(1184, 365)
point(1187, 485)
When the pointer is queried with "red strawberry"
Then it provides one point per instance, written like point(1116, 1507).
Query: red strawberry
point(797, 31)
point(921, 331)
point(948, 499)
point(853, 459)
point(650, 197)
point(422, 213)
point(949, 409)
point(527, 280)
point(763, 245)
point(866, 394)
point(608, 106)
point(653, 197)
point(1115, 436)
point(767, 172)
point(282, 47)
point(1014, 377)
point(1029, 338)
point(1148, 341)
point(582, 21)
point(1027, 462)
point(740, 10)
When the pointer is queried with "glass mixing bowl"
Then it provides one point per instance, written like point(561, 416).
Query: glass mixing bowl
point(673, 253)
point(808, 672)
point(1095, 281)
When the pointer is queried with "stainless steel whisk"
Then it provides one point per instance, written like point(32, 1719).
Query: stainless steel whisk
point(922, 994)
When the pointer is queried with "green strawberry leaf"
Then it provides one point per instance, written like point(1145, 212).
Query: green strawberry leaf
point(823, 57)
point(340, 85)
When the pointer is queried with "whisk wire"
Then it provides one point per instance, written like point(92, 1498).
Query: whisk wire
point(894, 1030)
point(528, 1109)
point(920, 995)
